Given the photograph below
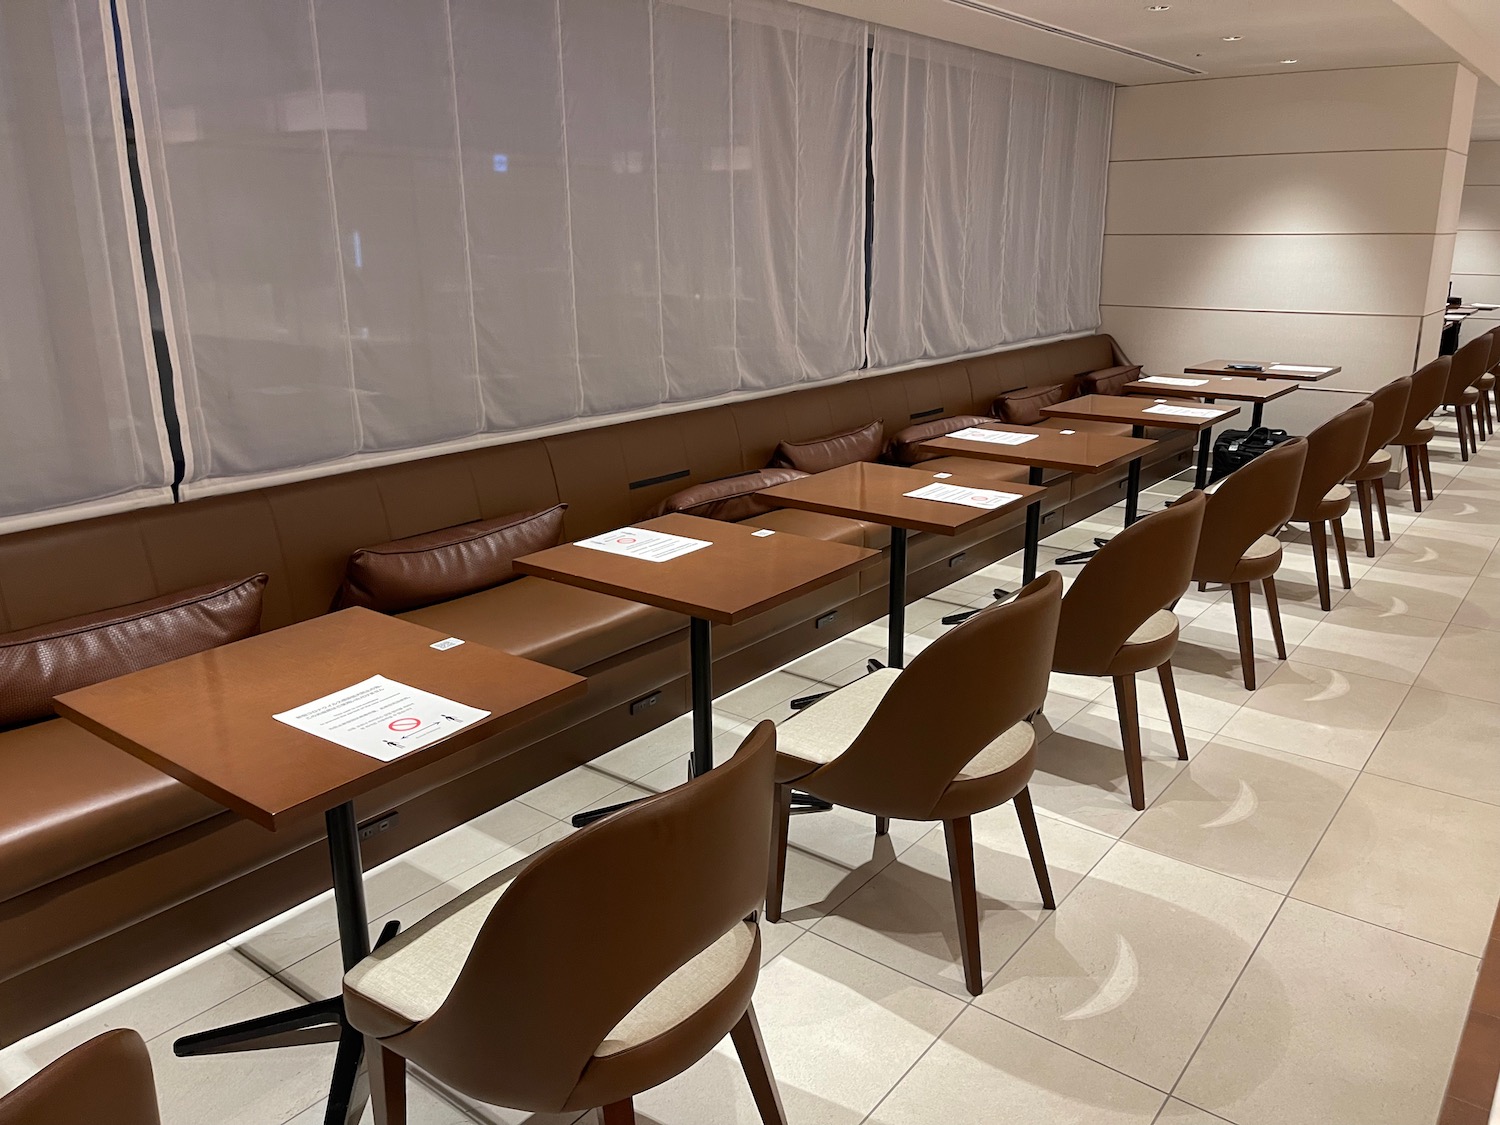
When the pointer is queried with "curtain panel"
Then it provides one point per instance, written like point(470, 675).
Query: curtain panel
point(81, 425)
point(390, 228)
point(990, 180)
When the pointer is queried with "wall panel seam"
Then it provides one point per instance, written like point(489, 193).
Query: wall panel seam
point(1273, 152)
point(1278, 312)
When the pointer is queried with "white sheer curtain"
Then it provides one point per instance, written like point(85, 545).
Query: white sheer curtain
point(389, 228)
point(989, 199)
point(81, 427)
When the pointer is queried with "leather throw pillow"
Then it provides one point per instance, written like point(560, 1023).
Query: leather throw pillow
point(1023, 407)
point(1110, 381)
point(731, 499)
point(903, 448)
point(824, 453)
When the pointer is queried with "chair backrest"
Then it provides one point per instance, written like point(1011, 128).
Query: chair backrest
point(956, 696)
point(108, 1079)
point(1254, 500)
point(1139, 572)
point(1389, 404)
point(1469, 363)
point(1428, 385)
point(1333, 452)
point(595, 923)
point(1494, 335)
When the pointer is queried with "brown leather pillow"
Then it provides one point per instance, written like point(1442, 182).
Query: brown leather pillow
point(903, 447)
point(824, 453)
point(37, 664)
point(425, 569)
point(1023, 407)
point(1110, 381)
point(731, 499)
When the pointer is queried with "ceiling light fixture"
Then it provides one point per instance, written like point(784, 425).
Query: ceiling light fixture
point(1285, 61)
point(1233, 38)
point(1158, 7)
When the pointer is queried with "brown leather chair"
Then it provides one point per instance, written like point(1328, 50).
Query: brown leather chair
point(1116, 619)
point(944, 739)
point(1369, 478)
point(1488, 395)
point(1238, 544)
point(106, 1081)
point(1417, 428)
point(1470, 363)
point(1333, 452)
point(612, 962)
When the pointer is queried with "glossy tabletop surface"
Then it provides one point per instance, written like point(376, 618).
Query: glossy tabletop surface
point(207, 719)
point(877, 493)
point(1237, 388)
point(1270, 369)
point(1072, 451)
point(1135, 411)
point(740, 575)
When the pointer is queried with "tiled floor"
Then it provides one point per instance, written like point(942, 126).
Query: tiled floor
point(1288, 935)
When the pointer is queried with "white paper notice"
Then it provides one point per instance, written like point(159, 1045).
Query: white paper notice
point(382, 718)
point(994, 437)
point(1183, 411)
point(1296, 368)
point(1170, 381)
point(985, 498)
point(638, 543)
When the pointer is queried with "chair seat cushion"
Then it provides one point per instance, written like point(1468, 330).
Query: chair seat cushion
point(1420, 434)
point(1157, 627)
point(1376, 467)
point(71, 800)
point(1261, 560)
point(1267, 546)
point(1487, 380)
point(1335, 503)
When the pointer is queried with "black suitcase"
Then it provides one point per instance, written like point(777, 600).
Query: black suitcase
point(1239, 447)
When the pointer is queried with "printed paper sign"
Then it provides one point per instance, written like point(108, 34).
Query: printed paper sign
point(985, 498)
point(1170, 381)
point(1292, 367)
point(638, 543)
point(1183, 411)
point(382, 718)
point(994, 437)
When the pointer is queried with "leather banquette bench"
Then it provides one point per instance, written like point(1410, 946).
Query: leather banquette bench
point(110, 871)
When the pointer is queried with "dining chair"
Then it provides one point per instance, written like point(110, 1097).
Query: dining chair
point(1417, 428)
point(944, 739)
point(1116, 619)
point(1470, 362)
point(105, 1081)
point(615, 959)
point(1389, 412)
point(1486, 383)
point(1238, 544)
point(1333, 452)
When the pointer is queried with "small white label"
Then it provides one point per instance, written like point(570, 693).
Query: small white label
point(1183, 411)
point(762, 533)
point(942, 476)
point(444, 646)
point(1067, 431)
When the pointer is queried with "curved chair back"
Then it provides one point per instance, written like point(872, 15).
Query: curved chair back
point(1428, 385)
point(108, 1079)
point(1494, 335)
point(956, 696)
point(1254, 500)
point(1139, 572)
point(1469, 363)
point(596, 923)
point(1333, 452)
point(1389, 404)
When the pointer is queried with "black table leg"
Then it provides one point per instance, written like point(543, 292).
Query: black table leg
point(1205, 448)
point(1257, 415)
point(1033, 529)
point(1133, 482)
point(701, 662)
point(895, 649)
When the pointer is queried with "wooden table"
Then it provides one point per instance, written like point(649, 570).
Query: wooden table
point(1071, 451)
point(878, 494)
point(1268, 370)
point(1235, 388)
point(207, 721)
point(742, 574)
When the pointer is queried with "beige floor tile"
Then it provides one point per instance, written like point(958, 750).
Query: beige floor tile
point(838, 655)
point(1491, 568)
point(1371, 643)
point(1481, 609)
point(670, 742)
point(767, 691)
point(574, 791)
point(904, 916)
point(986, 1070)
point(1245, 811)
point(1132, 968)
point(1206, 669)
point(1317, 712)
point(1465, 662)
point(1334, 1022)
point(1394, 592)
point(840, 1031)
point(423, 1107)
point(1296, 622)
point(1427, 549)
point(1445, 742)
point(1410, 859)
point(1180, 1113)
point(832, 854)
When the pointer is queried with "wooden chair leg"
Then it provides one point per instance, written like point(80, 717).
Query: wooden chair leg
point(387, 1074)
point(882, 826)
point(1242, 626)
point(750, 1045)
point(1486, 420)
point(1273, 608)
point(1319, 531)
point(1366, 514)
point(1202, 586)
point(1027, 816)
point(1343, 551)
point(780, 826)
point(1427, 470)
point(1414, 471)
point(1385, 519)
point(1465, 433)
point(1130, 736)
point(960, 837)
point(618, 1113)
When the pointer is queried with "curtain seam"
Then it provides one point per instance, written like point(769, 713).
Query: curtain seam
point(463, 212)
point(562, 96)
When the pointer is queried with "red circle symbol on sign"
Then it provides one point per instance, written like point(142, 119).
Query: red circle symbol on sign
point(401, 726)
point(625, 540)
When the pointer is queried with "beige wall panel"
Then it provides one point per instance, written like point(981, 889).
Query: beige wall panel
point(1484, 163)
point(1305, 193)
point(1442, 273)
point(1483, 287)
point(1461, 125)
point(1477, 251)
point(1450, 204)
point(1476, 325)
point(1481, 208)
point(1432, 331)
point(1407, 107)
point(1382, 273)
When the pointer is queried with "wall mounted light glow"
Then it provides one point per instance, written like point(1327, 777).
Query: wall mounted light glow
point(1288, 61)
point(1158, 7)
point(1233, 38)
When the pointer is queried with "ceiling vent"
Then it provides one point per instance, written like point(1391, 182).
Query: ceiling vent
point(1076, 36)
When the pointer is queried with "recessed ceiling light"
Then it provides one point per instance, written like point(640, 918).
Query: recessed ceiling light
point(1158, 7)
point(1288, 60)
point(1233, 38)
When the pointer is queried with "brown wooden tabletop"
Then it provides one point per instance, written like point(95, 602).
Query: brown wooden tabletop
point(741, 575)
point(877, 493)
point(1235, 388)
point(207, 719)
point(1075, 452)
point(1134, 411)
point(1268, 369)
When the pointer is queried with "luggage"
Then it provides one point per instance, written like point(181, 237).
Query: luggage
point(1239, 447)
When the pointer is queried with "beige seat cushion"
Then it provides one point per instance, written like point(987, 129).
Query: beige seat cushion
point(1336, 495)
point(1262, 548)
point(1160, 625)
